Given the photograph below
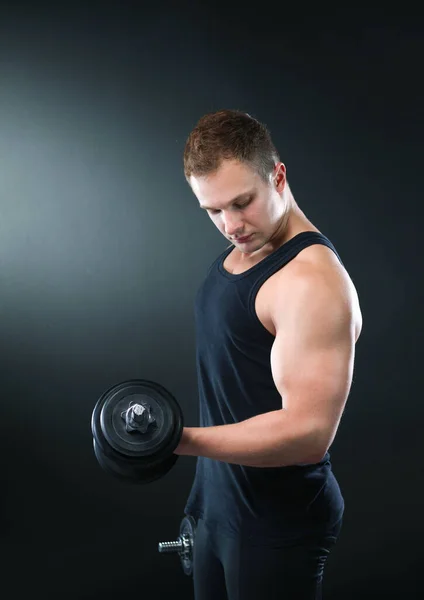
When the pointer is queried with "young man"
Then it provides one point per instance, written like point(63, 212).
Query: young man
point(277, 319)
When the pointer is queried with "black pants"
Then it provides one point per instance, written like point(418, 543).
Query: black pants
point(227, 569)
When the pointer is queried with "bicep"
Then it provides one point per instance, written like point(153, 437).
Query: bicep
point(312, 357)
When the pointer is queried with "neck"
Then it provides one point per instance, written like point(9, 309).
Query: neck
point(292, 222)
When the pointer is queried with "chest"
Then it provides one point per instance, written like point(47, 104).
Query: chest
point(265, 294)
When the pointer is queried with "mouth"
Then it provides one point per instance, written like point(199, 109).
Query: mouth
point(243, 240)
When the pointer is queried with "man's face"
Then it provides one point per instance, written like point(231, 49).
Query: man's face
point(241, 204)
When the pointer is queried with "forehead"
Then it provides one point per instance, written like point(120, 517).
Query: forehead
point(230, 180)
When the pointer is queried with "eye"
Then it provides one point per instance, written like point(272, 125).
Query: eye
point(240, 206)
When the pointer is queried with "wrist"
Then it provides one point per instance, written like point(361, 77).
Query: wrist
point(183, 447)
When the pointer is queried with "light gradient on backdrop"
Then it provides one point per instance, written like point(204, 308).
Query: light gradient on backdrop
point(102, 247)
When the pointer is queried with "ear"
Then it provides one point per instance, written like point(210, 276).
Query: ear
point(279, 177)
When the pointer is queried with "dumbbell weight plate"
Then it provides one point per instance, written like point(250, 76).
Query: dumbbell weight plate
point(108, 426)
point(137, 471)
point(188, 530)
point(139, 457)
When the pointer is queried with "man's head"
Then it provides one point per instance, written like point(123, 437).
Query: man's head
point(235, 172)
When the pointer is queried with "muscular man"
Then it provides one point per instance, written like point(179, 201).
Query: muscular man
point(277, 319)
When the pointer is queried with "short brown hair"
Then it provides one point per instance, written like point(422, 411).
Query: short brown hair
point(229, 135)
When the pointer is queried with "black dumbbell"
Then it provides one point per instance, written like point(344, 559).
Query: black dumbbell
point(136, 427)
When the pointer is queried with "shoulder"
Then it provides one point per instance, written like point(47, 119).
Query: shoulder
point(315, 284)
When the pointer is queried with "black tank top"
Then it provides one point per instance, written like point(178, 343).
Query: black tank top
point(235, 383)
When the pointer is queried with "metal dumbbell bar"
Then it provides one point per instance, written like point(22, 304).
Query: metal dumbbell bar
point(184, 545)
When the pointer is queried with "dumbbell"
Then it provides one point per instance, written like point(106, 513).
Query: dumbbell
point(136, 426)
point(184, 545)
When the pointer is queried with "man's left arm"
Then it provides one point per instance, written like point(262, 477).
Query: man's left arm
point(312, 361)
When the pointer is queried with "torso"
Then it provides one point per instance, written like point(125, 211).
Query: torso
point(322, 256)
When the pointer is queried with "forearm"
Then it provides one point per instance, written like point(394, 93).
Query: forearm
point(267, 440)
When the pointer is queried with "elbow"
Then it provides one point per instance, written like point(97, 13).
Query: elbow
point(313, 457)
point(317, 457)
point(310, 455)
point(318, 447)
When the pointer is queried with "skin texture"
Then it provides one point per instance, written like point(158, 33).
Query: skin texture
point(310, 306)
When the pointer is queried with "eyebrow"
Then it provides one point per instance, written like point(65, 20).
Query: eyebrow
point(233, 201)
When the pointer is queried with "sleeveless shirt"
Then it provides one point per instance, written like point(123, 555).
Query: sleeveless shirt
point(235, 383)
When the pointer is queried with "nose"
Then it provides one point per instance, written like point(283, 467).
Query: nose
point(232, 224)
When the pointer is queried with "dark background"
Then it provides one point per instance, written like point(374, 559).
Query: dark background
point(102, 248)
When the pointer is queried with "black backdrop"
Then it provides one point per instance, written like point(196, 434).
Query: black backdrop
point(102, 248)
